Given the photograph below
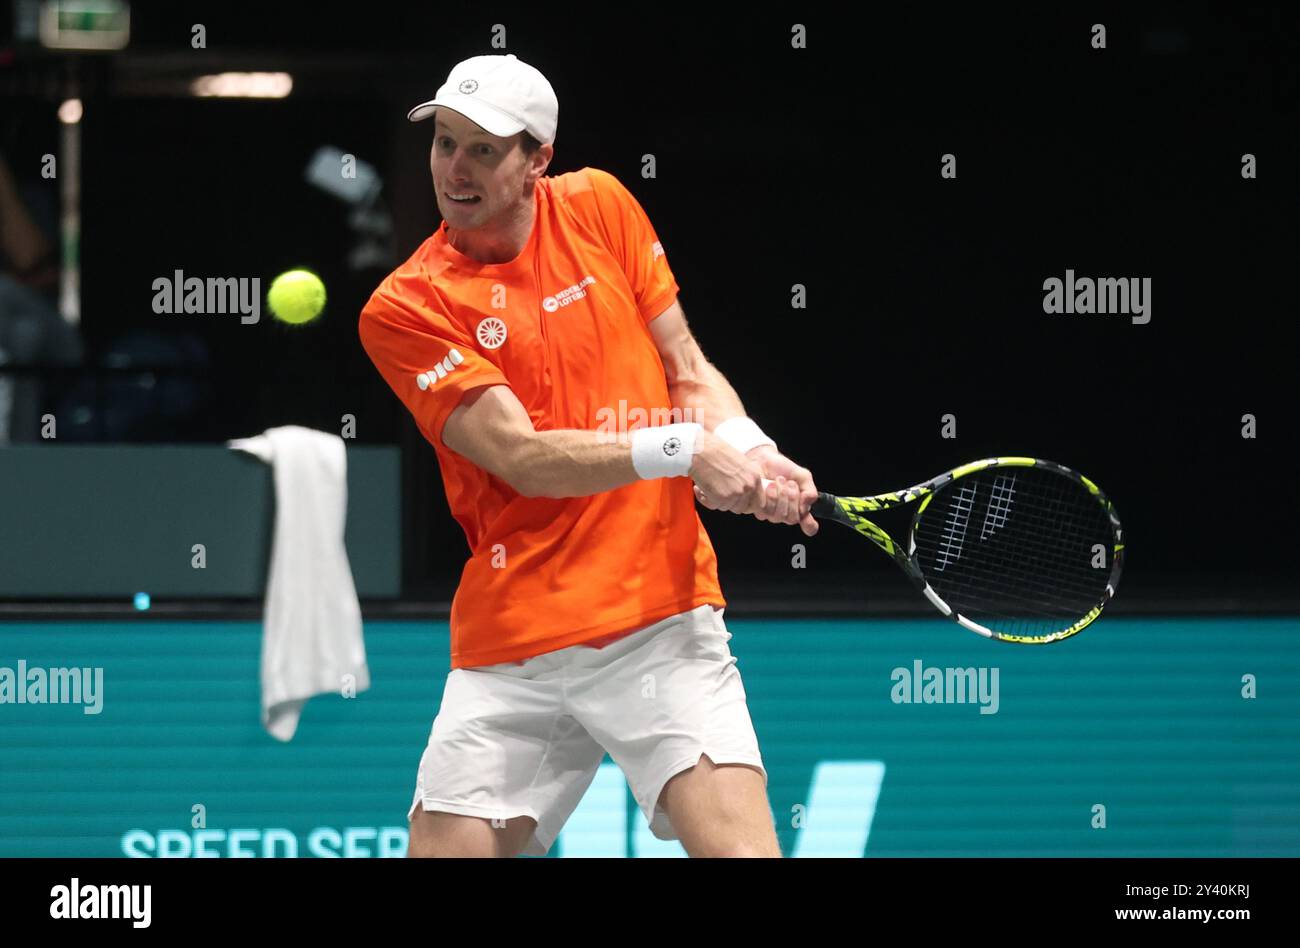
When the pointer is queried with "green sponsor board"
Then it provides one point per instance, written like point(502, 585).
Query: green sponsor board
point(1141, 737)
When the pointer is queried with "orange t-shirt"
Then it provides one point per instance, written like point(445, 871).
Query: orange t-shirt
point(564, 325)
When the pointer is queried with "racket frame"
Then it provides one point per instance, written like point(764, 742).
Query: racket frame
point(853, 511)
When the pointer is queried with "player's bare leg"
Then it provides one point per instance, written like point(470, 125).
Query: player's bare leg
point(436, 834)
point(721, 810)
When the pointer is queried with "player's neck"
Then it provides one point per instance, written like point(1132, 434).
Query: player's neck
point(501, 242)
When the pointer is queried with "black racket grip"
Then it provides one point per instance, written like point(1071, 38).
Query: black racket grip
point(824, 505)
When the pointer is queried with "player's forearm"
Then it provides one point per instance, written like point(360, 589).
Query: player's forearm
point(707, 394)
point(576, 463)
point(572, 463)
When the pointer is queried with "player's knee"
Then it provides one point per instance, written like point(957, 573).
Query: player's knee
point(442, 835)
point(445, 835)
point(425, 848)
point(743, 851)
point(740, 849)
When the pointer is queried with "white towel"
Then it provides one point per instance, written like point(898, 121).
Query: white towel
point(311, 634)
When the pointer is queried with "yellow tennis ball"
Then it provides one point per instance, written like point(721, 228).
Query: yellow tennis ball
point(296, 297)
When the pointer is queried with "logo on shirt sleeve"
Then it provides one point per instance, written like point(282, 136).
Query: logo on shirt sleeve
point(439, 371)
point(658, 250)
point(491, 333)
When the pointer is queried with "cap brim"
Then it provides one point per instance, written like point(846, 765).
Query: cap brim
point(482, 115)
point(422, 111)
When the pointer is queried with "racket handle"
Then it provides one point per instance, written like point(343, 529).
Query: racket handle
point(824, 505)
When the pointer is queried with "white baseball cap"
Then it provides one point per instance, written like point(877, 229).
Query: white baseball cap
point(499, 93)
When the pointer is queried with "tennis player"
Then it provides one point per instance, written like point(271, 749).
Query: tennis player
point(588, 618)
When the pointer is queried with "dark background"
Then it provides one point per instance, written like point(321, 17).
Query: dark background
point(775, 166)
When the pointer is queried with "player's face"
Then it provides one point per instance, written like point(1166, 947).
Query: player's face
point(467, 161)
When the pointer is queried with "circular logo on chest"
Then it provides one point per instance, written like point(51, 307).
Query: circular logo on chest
point(491, 333)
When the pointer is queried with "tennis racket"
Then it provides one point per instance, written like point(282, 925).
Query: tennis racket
point(1016, 549)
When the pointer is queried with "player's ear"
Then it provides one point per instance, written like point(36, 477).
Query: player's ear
point(541, 159)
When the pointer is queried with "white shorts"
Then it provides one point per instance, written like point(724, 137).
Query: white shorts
point(526, 740)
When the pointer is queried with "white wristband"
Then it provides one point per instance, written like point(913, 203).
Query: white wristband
point(665, 450)
point(742, 434)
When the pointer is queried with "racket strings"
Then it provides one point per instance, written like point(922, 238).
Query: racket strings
point(1016, 595)
point(1027, 565)
point(995, 576)
point(1039, 543)
point(1014, 549)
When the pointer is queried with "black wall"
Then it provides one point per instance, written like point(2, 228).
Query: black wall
point(817, 167)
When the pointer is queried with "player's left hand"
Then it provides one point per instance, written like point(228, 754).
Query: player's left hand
point(791, 497)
